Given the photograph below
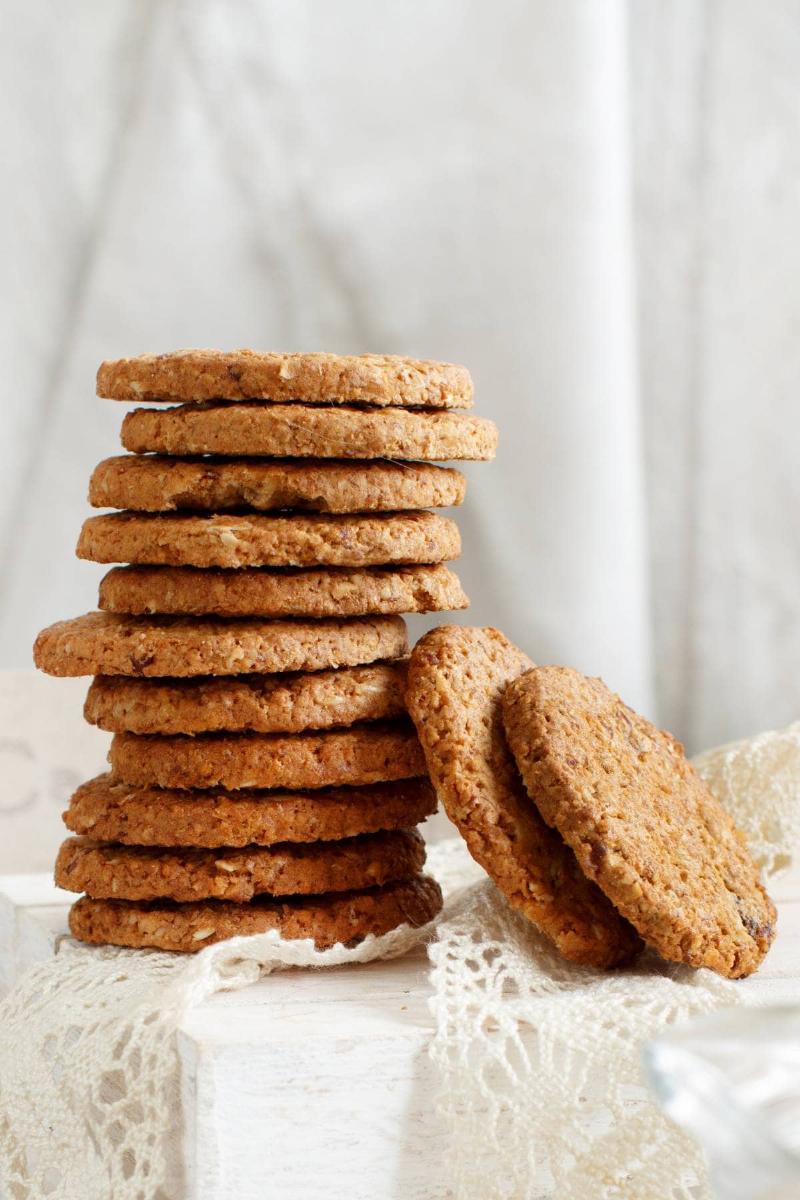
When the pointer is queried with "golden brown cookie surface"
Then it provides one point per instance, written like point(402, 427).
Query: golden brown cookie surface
point(285, 703)
point(119, 812)
point(109, 644)
point(300, 540)
point(152, 483)
point(377, 379)
point(107, 871)
point(301, 431)
point(339, 917)
point(455, 683)
point(251, 592)
point(374, 753)
point(640, 820)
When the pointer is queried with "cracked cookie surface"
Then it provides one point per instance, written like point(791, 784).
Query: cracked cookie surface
point(153, 483)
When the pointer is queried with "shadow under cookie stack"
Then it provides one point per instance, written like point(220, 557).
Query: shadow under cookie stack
point(250, 658)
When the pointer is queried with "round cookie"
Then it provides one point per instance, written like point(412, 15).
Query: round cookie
point(640, 820)
point(248, 703)
point(378, 379)
point(298, 431)
point(110, 644)
point(239, 540)
point(250, 592)
point(376, 753)
point(111, 872)
point(152, 483)
point(338, 918)
point(117, 812)
point(455, 682)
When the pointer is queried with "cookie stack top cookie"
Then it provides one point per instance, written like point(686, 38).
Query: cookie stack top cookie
point(248, 654)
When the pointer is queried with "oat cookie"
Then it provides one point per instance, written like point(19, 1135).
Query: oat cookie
point(286, 703)
point(118, 812)
point(260, 541)
point(338, 918)
point(259, 592)
point(374, 753)
point(455, 683)
point(640, 820)
point(106, 871)
point(299, 431)
point(378, 379)
point(152, 483)
point(110, 644)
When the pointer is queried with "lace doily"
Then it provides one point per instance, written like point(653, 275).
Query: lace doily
point(89, 1069)
point(538, 1060)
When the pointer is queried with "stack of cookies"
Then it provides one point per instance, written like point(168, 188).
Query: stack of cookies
point(249, 659)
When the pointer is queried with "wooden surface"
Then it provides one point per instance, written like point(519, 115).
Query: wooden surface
point(306, 1084)
point(319, 1083)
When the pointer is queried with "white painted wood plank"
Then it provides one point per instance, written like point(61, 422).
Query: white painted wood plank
point(296, 1105)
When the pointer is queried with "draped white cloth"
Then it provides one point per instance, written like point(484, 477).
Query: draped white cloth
point(592, 206)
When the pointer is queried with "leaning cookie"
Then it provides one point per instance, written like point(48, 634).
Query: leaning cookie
point(375, 379)
point(455, 683)
point(339, 918)
point(640, 820)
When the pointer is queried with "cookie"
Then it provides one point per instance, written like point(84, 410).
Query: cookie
point(338, 918)
point(375, 753)
point(336, 592)
point(640, 820)
point(157, 484)
point(378, 379)
point(260, 541)
point(107, 871)
point(455, 683)
point(248, 703)
point(109, 644)
point(298, 431)
point(117, 812)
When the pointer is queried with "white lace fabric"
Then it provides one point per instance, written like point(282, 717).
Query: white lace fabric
point(538, 1060)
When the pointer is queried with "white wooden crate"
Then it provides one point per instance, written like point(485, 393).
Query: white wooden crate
point(305, 1084)
point(316, 1083)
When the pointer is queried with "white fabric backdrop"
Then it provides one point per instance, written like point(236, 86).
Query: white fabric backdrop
point(593, 208)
